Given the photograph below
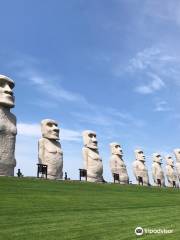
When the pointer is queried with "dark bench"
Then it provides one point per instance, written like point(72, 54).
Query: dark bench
point(159, 182)
point(174, 184)
point(140, 180)
point(82, 173)
point(42, 169)
point(116, 177)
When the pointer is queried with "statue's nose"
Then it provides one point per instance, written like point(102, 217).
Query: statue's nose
point(8, 89)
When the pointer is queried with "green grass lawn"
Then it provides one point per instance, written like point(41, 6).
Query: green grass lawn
point(42, 209)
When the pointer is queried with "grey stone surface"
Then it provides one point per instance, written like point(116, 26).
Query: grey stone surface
point(117, 164)
point(8, 128)
point(170, 170)
point(177, 155)
point(92, 160)
point(157, 170)
point(139, 167)
point(50, 152)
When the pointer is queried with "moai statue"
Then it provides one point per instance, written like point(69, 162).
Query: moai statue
point(117, 164)
point(157, 171)
point(92, 161)
point(177, 155)
point(170, 171)
point(8, 128)
point(50, 152)
point(139, 168)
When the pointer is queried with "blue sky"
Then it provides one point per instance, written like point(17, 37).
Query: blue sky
point(110, 66)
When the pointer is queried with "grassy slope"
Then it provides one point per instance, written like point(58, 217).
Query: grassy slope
point(41, 209)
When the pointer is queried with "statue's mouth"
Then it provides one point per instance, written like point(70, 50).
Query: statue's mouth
point(9, 93)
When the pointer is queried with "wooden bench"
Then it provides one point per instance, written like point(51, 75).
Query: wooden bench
point(159, 182)
point(42, 169)
point(140, 180)
point(82, 173)
point(174, 184)
point(116, 177)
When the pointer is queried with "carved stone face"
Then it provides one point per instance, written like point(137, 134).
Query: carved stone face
point(6, 92)
point(157, 158)
point(177, 154)
point(139, 154)
point(169, 160)
point(116, 149)
point(89, 139)
point(49, 129)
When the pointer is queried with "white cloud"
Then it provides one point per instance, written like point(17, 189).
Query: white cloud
point(153, 59)
point(29, 130)
point(162, 106)
point(164, 10)
point(144, 59)
point(53, 89)
point(154, 68)
point(70, 135)
point(50, 84)
point(108, 117)
point(33, 130)
point(154, 85)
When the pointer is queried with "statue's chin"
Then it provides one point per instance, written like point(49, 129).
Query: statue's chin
point(50, 137)
point(119, 154)
point(53, 138)
point(92, 147)
point(7, 104)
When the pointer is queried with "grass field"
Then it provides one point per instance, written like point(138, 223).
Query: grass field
point(42, 209)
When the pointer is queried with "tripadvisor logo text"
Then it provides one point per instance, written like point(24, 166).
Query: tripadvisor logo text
point(139, 231)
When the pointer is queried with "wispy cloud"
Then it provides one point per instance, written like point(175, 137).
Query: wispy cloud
point(154, 68)
point(33, 130)
point(165, 10)
point(155, 84)
point(162, 106)
point(109, 117)
point(151, 59)
point(50, 84)
point(52, 88)
point(143, 59)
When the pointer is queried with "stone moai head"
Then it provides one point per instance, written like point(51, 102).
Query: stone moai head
point(169, 160)
point(157, 158)
point(139, 154)
point(177, 154)
point(6, 92)
point(49, 129)
point(89, 139)
point(116, 149)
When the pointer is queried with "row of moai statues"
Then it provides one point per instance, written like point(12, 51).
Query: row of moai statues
point(93, 164)
point(51, 154)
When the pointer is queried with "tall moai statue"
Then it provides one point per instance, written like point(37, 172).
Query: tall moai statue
point(92, 160)
point(177, 155)
point(157, 170)
point(50, 152)
point(170, 171)
point(139, 168)
point(8, 128)
point(117, 164)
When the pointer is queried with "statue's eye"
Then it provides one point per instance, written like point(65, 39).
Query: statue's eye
point(91, 135)
point(49, 124)
point(2, 84)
